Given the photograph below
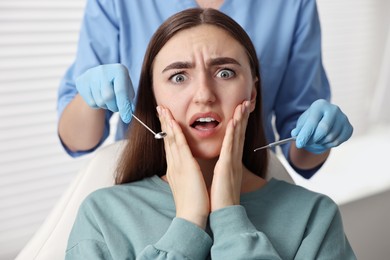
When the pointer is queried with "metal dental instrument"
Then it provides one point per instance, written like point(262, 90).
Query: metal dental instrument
point(159, 135)
point(276, 143)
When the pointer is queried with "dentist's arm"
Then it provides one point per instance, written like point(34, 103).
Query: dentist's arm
point(102, 88)
point(306, 160)
point(81, 127)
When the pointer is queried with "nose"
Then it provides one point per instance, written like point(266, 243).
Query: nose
point(204, 91)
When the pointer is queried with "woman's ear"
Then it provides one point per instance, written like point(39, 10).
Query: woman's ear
point(253, 95)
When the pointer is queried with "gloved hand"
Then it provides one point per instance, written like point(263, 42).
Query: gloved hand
point(108, 87)
point(321, 127)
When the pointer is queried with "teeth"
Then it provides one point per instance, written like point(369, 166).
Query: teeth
point(205, 119)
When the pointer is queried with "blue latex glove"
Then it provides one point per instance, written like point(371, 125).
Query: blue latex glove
point(108, 87)
point(321, 127)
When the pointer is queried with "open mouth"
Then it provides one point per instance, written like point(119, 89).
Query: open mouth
point(205, 123)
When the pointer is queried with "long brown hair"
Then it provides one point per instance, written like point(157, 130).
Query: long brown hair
point(143, 155)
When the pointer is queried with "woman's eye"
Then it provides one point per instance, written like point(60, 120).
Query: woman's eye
point(178, 78)
point(226, 73)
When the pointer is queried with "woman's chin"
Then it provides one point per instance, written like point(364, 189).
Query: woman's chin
point(206, 152)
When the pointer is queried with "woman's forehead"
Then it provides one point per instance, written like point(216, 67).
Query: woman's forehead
point(209, 41)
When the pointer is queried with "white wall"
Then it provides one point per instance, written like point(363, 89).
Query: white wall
point(354, 39)
point(38, 42)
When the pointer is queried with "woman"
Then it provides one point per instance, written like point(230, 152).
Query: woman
point(192, 196)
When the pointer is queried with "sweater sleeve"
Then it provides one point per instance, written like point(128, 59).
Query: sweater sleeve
point(89, 239)
point(183, 240)
point(95, 47)
point(304, 79)
point(324, 237)
point(231, 240)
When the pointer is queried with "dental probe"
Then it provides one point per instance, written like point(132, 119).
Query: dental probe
point(276, 143)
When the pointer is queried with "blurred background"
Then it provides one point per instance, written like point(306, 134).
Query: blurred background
point(38, 41)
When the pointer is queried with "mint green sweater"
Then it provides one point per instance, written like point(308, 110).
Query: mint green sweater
point(137, 221)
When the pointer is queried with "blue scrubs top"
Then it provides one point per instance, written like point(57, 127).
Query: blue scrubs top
point(286, 35)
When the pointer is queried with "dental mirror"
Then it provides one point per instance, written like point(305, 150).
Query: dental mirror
point(159, 135)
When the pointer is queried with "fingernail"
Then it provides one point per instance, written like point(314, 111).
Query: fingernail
point(245, 106)
point(248, 105)
point(158, 110)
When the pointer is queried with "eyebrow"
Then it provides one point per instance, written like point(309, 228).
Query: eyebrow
point(179, 65)
point(222, 61)
point(212, 62)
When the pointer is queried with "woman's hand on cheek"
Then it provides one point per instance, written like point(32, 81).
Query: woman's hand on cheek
point(183, 173)
point(226, 186)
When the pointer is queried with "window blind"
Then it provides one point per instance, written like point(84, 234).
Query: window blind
point(37, 43)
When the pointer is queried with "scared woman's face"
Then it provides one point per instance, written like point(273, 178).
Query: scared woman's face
point(201, 75)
